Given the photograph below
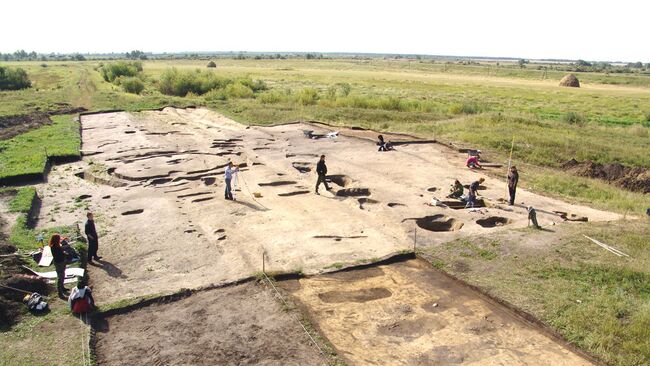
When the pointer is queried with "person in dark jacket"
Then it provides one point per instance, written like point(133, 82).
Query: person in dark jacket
point(513, 179)
point(321, 169)
point(59, 264)
point(93, 240)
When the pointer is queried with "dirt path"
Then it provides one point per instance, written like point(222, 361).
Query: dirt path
point(408, 314)
point(238, 325)
point(155, 182)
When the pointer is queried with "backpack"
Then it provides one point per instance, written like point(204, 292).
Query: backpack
point(36, 303)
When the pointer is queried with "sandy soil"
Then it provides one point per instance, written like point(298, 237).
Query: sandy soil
point(238, 325)
point(155, 182)
point(409, 314)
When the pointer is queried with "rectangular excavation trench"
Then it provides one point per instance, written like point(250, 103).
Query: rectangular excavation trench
point(407, 313)
point(240, 324)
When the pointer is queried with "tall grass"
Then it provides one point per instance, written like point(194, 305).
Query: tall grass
point(180, 83)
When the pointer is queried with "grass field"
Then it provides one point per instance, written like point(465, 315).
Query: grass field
point(27, 153)
point(594, 299)
point(476, 105)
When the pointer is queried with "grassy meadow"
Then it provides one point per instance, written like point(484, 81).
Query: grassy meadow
point(485, 106)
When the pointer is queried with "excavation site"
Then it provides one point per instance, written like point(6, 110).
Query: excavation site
point(269, 277)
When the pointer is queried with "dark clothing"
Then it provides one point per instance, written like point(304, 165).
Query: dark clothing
point(321, 168)
point(228, 192)
point(532, 216)
point(513, 179)
point(93, 246)
point(512, 191)
point(89, 229)
point(60, 275)
point(321, 179)
point(58, 254)
point(93, 240)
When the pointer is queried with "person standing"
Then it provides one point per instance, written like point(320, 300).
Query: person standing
point(230, 170)
point(321, 169)
point(59, 264)
point(513, 179)
point(93, 240)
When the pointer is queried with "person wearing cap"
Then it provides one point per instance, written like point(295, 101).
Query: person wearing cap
point(513, 179)
point(472, 162)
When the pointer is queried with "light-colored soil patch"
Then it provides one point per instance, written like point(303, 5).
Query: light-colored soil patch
point(409, 314)
point(164, 224)
point(238, 325)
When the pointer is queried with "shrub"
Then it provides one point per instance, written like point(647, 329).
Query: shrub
point(308, 96)
point(132, 85)
point(212, 64)
point(574, 118)
point(238, 90)
point(179, 83)
point(647, 116)
point(345, 89)
point(13, 79)
point(270, 97)
point(110, 72)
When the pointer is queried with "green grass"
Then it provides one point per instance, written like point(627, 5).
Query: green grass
point(27, 153)
point(596, 300)
point(23, 200)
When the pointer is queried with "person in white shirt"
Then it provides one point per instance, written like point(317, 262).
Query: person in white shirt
point(230, 170)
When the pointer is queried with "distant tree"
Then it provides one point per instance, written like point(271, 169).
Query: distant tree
point(136, 55)
point(13, 79)
point(310, 56)
point(635, 65)
point(583, 63)
point(78, 57)
point(647, 66)
point(522, 63)
point(20, 55)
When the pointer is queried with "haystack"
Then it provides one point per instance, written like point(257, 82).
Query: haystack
point(570, 80)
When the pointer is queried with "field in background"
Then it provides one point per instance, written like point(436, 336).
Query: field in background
point(482, 106)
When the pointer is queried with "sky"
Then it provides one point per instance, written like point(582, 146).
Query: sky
point(590, 30)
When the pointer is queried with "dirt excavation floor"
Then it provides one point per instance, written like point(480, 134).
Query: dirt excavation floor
point(235, 325)
point(155, 182)
point(409, 314)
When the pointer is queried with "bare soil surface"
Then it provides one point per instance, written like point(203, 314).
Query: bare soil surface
point(235, 325)
point(407, 313)
point(155, 182)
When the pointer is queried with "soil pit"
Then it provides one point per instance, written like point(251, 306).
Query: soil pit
point(439, 223)
point(353, 192)
point(234, 325)
point(407, 313)
point(493, 221)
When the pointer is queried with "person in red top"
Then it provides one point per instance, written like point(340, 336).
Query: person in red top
point(472, 162)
